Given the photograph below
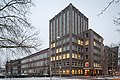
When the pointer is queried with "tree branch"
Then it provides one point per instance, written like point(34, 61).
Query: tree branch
point(109, 3)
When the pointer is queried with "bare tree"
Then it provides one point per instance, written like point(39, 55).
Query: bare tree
point(116, 19)
point(16, 31)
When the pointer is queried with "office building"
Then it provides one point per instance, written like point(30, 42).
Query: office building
point(111, 60)
point(72, 44)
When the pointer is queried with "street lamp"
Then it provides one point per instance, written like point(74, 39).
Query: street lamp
point(60, 71)
point(58, 37)
point(58, 40)
point(50, 64)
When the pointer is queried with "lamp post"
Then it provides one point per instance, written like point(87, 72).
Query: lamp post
point(58, 39)
point(60, 71)
point(50, 64)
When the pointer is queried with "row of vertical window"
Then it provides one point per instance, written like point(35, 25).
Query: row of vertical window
point(35, 64)
point(59, 57)
point(60, 25)
point(66, 56)
point(33, 58)
point(97, 65)
point(39, 70)
point(63, 71)
point(79, 23)
point(80, 42)
point(59, 42)
point(75, 71)
point(65, 64)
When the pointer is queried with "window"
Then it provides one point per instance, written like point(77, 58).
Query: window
point(86, 35)
point(86, 49)
point(60, 50)
point(67, 71)
point(87, 42)
point(73, 55)
point(72, 21)
point(63, 71)
point(60, 26)
point(94, 43)
point(64, 30)
point(76, 30)
point(80, 42)
point(56, 57)
point(81, 65)
point(63, 63)
point(78, 56)
point(67, 64)
point(78, 71)
point(81, 71)
point(59, 63)
point(56, 50)
point(53, 58)
point(68, 55)
point(64, 56)
point(73, 71)
point(68, 22)
point(53, 45)
point(86, 56)
point(56, 64)
point(73, 64)
point(60, 57)
point(76, 64)
point(81, 49)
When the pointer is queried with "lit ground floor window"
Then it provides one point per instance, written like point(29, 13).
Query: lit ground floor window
point(77, 71)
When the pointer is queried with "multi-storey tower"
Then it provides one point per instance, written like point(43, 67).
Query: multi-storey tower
point(69, 45)
point(65, 29)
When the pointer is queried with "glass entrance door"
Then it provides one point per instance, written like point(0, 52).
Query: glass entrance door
point(87, 72)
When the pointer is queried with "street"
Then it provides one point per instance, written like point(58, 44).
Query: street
point(63, 78)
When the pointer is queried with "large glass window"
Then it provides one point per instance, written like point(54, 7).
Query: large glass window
point(72, 21)
point(60, 27)
point(53, 30)
point(57, 27)
point(76, 23)
point(68, 22)
point(64, 30)
point(81, 24)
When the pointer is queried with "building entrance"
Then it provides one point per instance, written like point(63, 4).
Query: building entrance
point(87, 71)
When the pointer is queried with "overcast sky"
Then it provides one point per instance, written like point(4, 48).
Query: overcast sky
point(103, 25)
